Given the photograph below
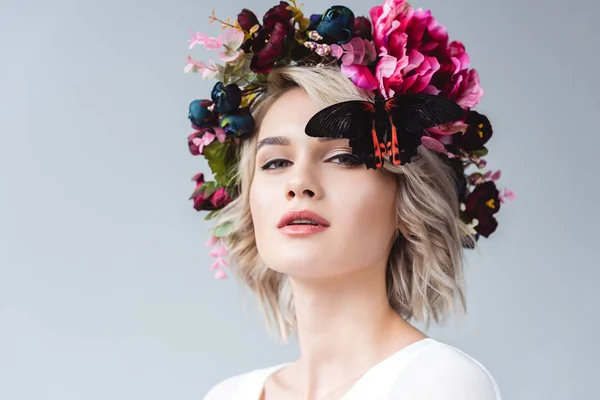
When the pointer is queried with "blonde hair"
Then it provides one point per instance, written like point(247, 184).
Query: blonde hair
point(425, 267)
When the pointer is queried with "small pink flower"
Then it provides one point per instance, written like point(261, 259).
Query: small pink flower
point(435, 145)
point(219, 262)
point(211, 241)
point(193, 65)
point(198, 143)
point(494, 176)
point(220, 274)
point(212, 70)
point(445, 130)
point(210, 43)
point(507, 195)
point(356, 51)
point(355, 55)
point(202, 138)
point(218, 251)
point(234, 38)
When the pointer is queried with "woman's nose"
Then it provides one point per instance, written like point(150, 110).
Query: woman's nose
point(292, 193)
point(303, 182)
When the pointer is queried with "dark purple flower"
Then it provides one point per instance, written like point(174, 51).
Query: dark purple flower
point(482, 204)
point(269, 45)
point(476, 135)
point(278, 13)
point(362, 28)
point(226, 98)
point(247, 19)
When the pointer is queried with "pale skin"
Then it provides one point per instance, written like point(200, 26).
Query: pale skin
point(345, 322)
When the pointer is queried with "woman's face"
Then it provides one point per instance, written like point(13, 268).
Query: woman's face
point(300, 172)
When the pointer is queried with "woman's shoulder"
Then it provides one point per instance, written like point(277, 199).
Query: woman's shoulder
point(441, 370)
point(246, 383)
point(226, 388)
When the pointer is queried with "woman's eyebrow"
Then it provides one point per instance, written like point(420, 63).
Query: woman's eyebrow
point(284, 141)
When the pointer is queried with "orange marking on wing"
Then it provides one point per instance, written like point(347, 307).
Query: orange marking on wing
point(389, 104)
point(395, 153)
point(376, 148)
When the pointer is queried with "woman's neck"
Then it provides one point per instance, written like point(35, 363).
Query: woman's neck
point(345, 326)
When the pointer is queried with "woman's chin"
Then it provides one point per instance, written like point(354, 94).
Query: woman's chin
point(305, 266)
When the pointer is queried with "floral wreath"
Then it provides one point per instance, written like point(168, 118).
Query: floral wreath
point(398, 50)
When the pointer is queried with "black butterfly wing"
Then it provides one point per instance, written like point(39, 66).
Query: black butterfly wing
point(347, 120)
point(411, 115)
point(416, 112)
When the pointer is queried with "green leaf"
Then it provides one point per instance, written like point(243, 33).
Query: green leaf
point(211, 214)
point(223, 230)
point(216, 154)
point(207, 189)
point(210, 188)
point(480, 153)
point(241, 62)
point(250, 77)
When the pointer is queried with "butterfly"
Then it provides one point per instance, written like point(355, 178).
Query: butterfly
point(392, 127)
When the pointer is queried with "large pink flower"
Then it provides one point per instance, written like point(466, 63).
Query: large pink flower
point(383, 17)
point(419, 44)
point(417, 74)
point(455, 80)
point(425, 34)
point(414, 39)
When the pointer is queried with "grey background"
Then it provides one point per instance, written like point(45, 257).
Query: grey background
point(105, 288)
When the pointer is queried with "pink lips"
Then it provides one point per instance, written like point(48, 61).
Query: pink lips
point(301, 230)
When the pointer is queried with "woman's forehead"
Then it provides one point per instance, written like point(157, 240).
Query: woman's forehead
point(294, 106)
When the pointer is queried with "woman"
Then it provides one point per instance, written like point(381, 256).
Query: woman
point(340, 255)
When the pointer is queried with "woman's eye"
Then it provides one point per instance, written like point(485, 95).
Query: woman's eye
point(276, 163)
point(346, 159)
point(343, 159)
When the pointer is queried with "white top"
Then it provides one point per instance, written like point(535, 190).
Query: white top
point(424, 370)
